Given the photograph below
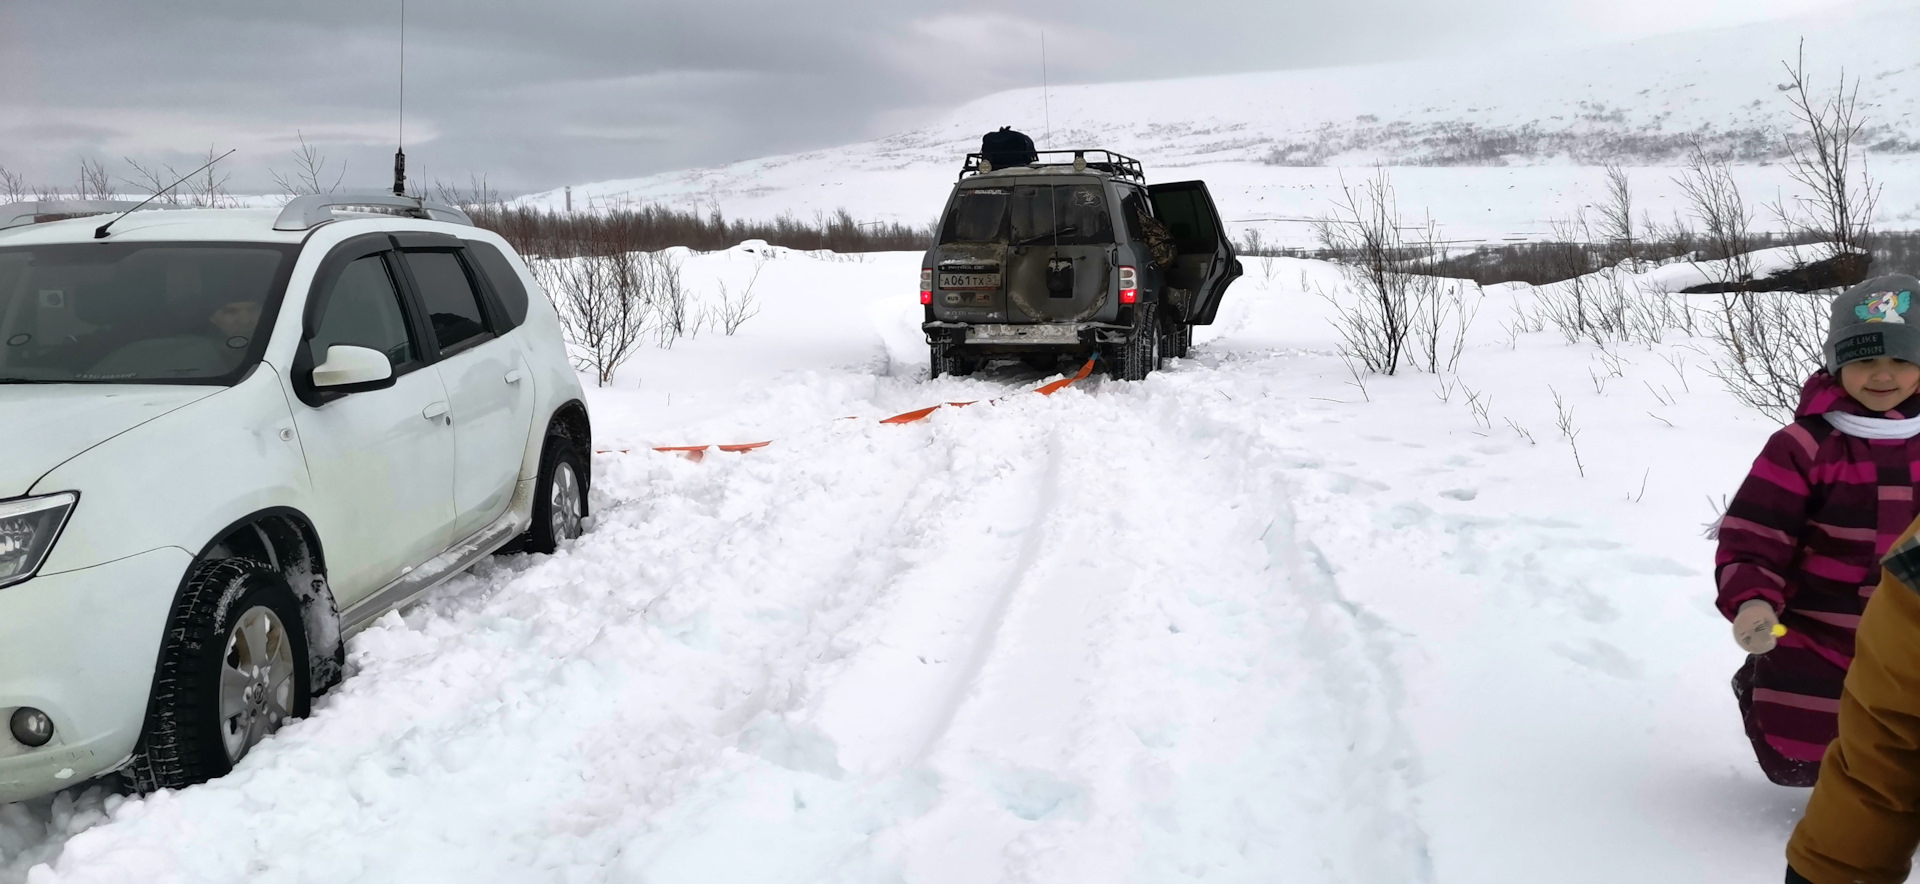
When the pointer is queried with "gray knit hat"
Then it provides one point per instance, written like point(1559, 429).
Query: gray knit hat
point(1875, 318)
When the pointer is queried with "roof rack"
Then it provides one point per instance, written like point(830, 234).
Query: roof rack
point(42, 211)
point(1099, 160)
point(313, 210)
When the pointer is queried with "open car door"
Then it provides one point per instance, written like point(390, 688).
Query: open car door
point(1207, 264)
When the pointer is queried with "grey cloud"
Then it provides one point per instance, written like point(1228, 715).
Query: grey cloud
point(539, 94)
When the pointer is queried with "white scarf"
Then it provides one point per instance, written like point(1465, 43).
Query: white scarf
point(1873, 427)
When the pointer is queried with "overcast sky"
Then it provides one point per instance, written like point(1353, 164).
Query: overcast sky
point(539, 94)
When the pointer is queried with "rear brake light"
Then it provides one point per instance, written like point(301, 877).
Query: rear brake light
point(926, 285)
point(1129, 286)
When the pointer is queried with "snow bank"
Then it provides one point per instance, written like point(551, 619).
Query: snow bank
point(1241, 620)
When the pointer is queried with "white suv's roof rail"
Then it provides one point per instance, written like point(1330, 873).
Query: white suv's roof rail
point(313, 210)
point(23, 214)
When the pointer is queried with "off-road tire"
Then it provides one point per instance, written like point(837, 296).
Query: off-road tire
point(944, 358)
point(1137, 356)
point(180, 744)
point(1181, 340)
point(545, 536)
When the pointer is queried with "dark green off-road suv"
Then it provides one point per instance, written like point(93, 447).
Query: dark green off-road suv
point(1073, 255)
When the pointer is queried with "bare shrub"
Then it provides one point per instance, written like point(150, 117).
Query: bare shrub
point(1725, 220)
point(1616, 216)
point(1823, 158)
point(153, 180)
point(654, 227)
point(733, 312)
point(604, 311)
point(1364, 229)
point(476, 197)
point(1770, 341)
point(1774, 340)
point(13, 186)
point(309, 174)
point(1567, 429)
point(207, 186)
point(658, 276)
point(95, 183)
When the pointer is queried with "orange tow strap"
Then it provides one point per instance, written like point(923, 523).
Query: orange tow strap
point(697, 452)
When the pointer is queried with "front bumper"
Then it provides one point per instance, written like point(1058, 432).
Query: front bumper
point(81, 646)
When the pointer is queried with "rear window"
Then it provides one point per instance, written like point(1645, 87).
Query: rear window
point(978, 215)
point(1027, 214)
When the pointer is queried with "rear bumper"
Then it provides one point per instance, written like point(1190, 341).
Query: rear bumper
point(81, 647)
point(1025, 337)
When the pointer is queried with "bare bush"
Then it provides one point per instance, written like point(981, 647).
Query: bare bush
point(653, 227)
point(154, 181)
point(603, 306)
point(1616, 216)
point(1364, 227)
point(1774, 341)
point(477, 196)
point(1822, 157)
point(309, 174)
point(733, 312)
point(1725, 220)
point(95, 183)
point(1567, 429)
point(13, 186)
point(660, 280)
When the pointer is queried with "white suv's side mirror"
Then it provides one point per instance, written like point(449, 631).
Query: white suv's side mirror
point(351, 369)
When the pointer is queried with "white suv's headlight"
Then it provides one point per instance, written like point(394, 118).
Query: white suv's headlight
point(28, 527)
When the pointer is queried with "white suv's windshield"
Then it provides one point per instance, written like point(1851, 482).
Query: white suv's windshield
point(176, 313)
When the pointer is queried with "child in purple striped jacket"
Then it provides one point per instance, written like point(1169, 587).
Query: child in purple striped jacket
point(1800, 544)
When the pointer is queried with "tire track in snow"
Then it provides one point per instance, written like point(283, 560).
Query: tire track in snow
point(1069, 758)
point(1364, 677)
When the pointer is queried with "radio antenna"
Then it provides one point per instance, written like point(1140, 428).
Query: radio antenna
point(101, 231)
point(1046, 103)
point(400, 149)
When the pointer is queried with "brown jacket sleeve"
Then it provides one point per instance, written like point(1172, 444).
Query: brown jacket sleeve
point(1863, 822)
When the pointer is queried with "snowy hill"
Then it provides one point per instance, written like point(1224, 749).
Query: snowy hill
point(1495, 146)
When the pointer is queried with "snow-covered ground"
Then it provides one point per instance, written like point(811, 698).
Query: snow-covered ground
point(1237, 622)
point(1495, 147)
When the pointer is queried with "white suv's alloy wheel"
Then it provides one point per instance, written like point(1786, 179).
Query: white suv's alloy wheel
point(256, 681)
point(565, 506)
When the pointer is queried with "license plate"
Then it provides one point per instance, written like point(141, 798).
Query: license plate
point(1024, 334)
point(969, 280)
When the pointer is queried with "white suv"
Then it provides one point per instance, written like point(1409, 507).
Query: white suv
point(230, 437)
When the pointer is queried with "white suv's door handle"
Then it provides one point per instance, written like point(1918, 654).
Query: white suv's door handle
point(435, 411)
point(514, 376)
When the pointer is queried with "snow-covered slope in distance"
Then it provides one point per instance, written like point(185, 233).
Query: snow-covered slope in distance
point(1494, 146)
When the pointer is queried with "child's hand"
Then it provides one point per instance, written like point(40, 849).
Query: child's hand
point(1756, 627)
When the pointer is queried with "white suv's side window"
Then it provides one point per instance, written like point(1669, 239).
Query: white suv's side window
point(452, 306)
point(364, 311)
point(382, 460)
point(487, 386)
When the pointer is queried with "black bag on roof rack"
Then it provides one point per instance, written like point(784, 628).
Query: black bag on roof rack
point(1007, 148)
